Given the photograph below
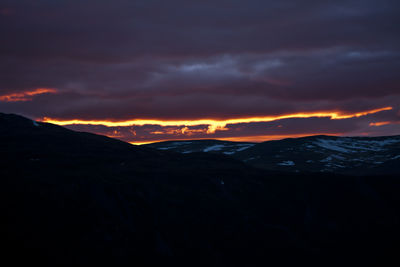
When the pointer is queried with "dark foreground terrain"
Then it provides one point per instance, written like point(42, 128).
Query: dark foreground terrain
point(78, 199)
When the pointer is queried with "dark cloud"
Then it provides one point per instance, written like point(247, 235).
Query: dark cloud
point(200, 59)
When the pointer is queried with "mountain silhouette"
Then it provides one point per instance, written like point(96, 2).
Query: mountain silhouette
point(78, 199)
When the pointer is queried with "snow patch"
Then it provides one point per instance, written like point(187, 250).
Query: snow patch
point(213, 148)
point(331, 145)
point(339, 166)
point(244, 147)
point(166, 148)
point(180, 143)
point(249, 159)
point(326, 159)
point(287, 163)
point(352, 145)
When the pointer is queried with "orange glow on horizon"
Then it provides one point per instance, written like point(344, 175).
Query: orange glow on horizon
point(214, 125)
point(381, 123)
point(27, 95)
point(250, 139)
point(147, 142)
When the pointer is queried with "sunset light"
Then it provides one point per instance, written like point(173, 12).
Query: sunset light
point(220, 133)
point(214, 125)
point(211, 126)
point(26, 95)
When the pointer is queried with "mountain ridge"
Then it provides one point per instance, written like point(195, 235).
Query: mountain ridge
point(317, 153)
point(76, 199)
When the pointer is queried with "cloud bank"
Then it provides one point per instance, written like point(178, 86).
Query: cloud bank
point(200, 60)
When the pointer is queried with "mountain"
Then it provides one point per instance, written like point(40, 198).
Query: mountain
point(346, 155)
point(77, 199)
point(193, 146)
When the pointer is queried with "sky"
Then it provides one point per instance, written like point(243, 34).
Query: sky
point(254, 70)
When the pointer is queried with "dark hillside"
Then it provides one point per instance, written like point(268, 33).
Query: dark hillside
point(78, 199)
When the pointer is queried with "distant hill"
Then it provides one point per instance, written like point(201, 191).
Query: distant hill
point(77, 199)
point(347, 155)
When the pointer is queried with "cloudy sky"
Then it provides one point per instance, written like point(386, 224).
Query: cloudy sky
point(230, 69)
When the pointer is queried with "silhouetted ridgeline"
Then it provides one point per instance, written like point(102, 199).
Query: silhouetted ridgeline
point(71, 199)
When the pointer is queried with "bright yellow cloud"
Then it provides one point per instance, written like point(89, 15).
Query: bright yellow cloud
point(214, 125)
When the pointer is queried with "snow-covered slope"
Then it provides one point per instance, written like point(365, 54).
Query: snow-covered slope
point(354, 155)
point(326, 154)
point(213, 146)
